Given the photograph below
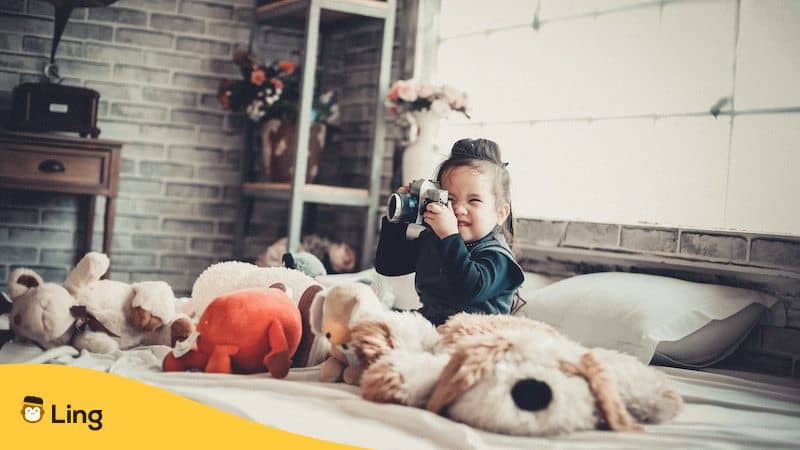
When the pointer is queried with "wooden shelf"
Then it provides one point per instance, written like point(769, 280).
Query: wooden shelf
point(294, 11)
point(312, 193)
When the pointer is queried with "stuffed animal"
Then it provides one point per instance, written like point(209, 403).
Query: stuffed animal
point(336, 310)
point(516, 376)
point(245, 331)
point(229, 276)
point(93, 314)
point(337, 257)
point(225, 277)
point(304, 262)
point(39, 311)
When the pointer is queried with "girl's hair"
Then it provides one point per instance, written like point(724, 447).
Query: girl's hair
point(484, 156)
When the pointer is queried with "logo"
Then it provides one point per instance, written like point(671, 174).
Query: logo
point(33, 410)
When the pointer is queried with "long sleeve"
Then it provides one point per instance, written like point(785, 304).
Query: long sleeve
point(477, 278)
point(395, 255)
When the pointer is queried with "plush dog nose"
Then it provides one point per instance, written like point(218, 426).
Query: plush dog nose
point(531, 394)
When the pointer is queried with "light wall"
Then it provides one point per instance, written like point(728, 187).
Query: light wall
point(603, 111)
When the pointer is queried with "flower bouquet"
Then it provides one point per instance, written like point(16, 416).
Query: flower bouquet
point(270, 96)
point(424, 104)
point(407, 96)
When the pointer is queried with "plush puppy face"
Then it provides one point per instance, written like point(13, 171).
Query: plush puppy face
point(511, 383)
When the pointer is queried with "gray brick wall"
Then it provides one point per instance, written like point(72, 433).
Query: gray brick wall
point(156, 64)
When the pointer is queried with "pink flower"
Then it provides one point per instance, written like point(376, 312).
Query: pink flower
point(425, 89)
point(393, 94)
point(407, 92)
point(450, 93)
point(459, 103)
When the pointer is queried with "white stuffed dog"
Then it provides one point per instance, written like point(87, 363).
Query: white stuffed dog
point(513, 375)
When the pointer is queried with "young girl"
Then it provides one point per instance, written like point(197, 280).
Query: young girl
point(463, 262)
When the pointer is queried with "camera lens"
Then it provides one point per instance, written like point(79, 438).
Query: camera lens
point(401, 208)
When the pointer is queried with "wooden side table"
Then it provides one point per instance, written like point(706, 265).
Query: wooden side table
point(65, 164)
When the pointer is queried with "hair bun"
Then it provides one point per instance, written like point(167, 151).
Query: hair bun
point(483, 149)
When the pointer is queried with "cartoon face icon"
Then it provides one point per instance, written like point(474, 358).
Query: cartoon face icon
point(32, 409)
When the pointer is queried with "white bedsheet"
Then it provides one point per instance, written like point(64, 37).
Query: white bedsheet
point(722, 411)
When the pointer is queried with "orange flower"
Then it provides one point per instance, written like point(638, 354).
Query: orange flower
point(277, 83)
point(287, 66)
point(258, 77)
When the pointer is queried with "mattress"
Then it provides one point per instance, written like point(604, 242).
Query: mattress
point(723, 409)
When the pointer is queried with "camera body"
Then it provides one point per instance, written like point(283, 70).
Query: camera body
point(409, 207)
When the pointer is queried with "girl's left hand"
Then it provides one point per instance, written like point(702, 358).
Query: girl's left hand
point(442, 219)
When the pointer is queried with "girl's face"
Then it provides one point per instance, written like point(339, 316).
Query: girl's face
point(472, 195)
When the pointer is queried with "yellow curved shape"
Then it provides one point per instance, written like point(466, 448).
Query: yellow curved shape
point(84, 408)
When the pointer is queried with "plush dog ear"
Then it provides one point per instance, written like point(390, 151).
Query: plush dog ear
point(468, 364)
point(303, 351)
point(21, 280)
point(315, 312)
point(604, 390)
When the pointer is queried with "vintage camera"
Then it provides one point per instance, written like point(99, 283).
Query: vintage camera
point(409, 207)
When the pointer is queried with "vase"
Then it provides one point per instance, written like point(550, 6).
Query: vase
point(422, 156)
point(278, 144)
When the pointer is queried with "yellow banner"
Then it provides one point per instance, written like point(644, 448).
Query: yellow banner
point(53, 406)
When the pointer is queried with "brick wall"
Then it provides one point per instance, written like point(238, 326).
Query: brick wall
point(156, 64)
point(762, 262)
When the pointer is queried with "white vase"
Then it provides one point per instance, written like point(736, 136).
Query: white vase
point(422, 156)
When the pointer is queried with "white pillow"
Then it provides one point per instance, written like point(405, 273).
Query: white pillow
point(633, 313)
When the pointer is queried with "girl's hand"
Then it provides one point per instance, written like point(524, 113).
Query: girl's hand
point(442, 219)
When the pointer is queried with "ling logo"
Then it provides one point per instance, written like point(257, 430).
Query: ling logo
point(33, 410)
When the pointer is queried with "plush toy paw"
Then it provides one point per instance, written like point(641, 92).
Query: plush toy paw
point(371, 339)
point(143, 319)
point(382, 383)
point(181, 329)
point(331, 370)
point(279, 364)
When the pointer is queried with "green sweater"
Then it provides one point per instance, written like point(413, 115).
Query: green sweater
point(452, 276)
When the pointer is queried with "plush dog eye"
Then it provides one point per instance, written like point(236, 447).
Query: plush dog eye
point(531, 394)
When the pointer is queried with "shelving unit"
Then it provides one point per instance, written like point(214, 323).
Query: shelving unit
point(313, 15)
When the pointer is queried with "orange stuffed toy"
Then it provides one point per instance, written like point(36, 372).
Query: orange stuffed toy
point(244, 331)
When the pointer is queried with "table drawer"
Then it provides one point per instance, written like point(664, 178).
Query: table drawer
point(62, 166)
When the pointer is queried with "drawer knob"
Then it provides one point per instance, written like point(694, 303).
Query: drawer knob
point(51, 166)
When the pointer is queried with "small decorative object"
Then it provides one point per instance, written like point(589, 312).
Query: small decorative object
point(269, 95)
point(49, 106)
point(425, 105)
point(337, 257)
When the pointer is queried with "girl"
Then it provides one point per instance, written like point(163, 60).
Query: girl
point(463, 262)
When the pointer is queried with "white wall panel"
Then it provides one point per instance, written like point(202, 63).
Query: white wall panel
point(764, 193)
point(768, 62)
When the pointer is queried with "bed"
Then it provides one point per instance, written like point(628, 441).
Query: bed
point(724, 409)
